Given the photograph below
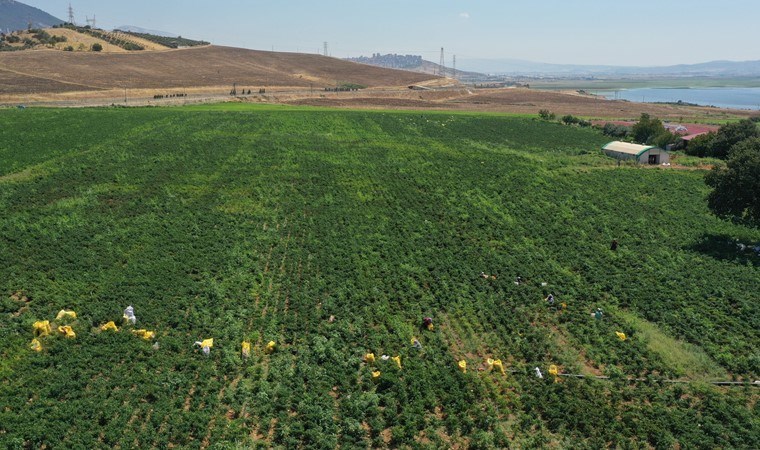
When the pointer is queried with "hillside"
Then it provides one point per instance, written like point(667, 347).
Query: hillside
point(18, 16)
point(77, 39)
point(333, 234)
point(200, 66)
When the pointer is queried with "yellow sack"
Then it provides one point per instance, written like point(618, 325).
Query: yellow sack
point(369, 358)
point(376, 375)
point(620, 335)
point(42, 328)
point(67, 331)
point(553, 370)
point(207, 343)
point(498, 366)
point(430, 327)
point(110, 326)
point(36, 345)
point(397, 360)
point(63, 314)
point(246, 349)
point(270, 347)
point(490, 362)
point(145, 334)
point(463, 366)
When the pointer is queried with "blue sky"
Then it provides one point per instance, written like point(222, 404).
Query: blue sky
point(614, 32)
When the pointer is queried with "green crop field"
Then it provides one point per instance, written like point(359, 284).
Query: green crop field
point(333, 234)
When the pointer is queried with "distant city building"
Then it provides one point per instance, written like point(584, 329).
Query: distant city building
point(391, 60)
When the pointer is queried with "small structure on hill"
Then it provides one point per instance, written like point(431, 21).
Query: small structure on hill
point(645, 154)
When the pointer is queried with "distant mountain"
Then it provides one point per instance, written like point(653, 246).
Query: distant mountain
point(474, 69)
point(134, 29)
point(16, 16)
point(530, 68)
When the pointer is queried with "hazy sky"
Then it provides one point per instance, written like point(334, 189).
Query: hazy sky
point(615, 32)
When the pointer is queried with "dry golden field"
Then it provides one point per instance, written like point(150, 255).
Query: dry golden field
point(57, 78)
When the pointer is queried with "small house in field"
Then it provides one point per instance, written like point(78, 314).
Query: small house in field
point(644, 154)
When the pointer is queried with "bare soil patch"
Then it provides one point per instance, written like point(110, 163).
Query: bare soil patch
point(25, 84)
point(517, 100)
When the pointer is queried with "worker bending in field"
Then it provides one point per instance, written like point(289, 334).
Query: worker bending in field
point(129, 315)
point(427, 323)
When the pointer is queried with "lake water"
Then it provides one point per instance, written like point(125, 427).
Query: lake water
point(738, 98)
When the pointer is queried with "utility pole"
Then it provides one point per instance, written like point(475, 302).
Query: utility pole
point(455, 68)
point(71, 15)
point(442, 65)
point(125, 95)
point(325, 49)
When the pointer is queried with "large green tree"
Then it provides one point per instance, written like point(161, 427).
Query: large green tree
point(650, 130)
point(719, 144)
point(736, 193)
point(647, 129)
point(731, 134)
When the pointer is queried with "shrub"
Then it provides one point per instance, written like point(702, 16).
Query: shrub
point(96, 47)
point(570, 120)
point(545, 114)
point(613, 130)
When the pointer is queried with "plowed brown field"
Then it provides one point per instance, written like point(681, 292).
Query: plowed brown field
point(185, 68)
point(518, 100)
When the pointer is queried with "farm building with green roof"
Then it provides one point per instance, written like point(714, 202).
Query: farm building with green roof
point(645, 154)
